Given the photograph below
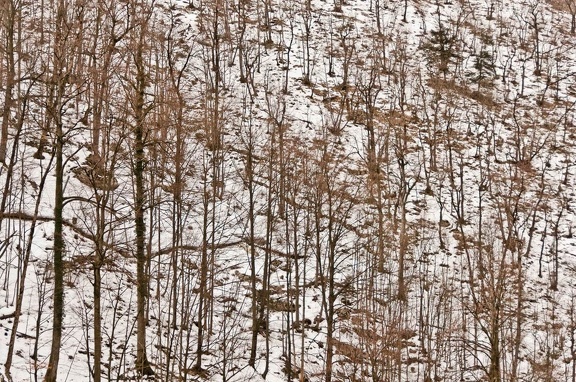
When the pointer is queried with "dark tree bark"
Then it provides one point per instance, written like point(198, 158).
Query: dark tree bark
point(55, 109)
point(140, 110)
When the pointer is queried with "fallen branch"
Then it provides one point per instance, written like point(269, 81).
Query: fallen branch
point(7, 316)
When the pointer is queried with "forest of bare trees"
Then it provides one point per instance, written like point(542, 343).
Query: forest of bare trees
point(301, 190)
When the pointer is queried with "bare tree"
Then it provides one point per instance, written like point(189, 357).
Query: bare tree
point(10, 18)
point(332, 202)
point(63, 87)
point(140, 107)
point(29, 243)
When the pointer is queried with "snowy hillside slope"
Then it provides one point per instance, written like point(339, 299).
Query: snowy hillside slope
point(330, 191)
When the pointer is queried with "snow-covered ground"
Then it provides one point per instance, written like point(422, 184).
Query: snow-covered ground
point(411, 168)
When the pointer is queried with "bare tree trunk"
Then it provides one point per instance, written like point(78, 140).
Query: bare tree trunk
point(139, 206)
point(494, 368)
point(142, 278)
point(58, 263)
point(55, 109)
point(252, 249)
point(97, 318)
point(203, 280)
point(9, 20)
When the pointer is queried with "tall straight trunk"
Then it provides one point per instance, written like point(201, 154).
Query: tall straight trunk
point(177, 221)
point(212, 118)
point(178, 273)
point(264, 315)
point(140, 228)
point(98, 85)
point(252, 244)
point(9, 21)
point(97, 321)
point(58, 262)
point(210, 193)
point(300, 296)
point(208, 202)
point(330, 306)
point(520, 299)
point(142, 365)
point(332, 241)
point(203, 280)
point(402, 292)
point(55, 109)
point(101, 201)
